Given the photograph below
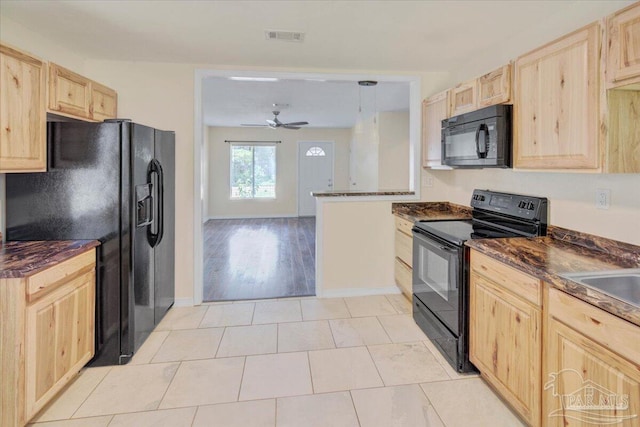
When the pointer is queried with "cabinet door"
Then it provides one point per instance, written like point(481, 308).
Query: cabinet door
point(403, 278)
point(586, 384)
point(464, 97)
point(557, 104)
point(495, 87)
point(69, 93)
point(104, 102)
point(59, 339)
point(23, 135)
point(434, 110)
point(505, 345)
point(592, 365)
point(623, 55)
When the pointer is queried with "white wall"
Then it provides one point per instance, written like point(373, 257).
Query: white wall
point(393, 150)
point(363, 172)
point(571, 197)
point(286, 202)
point(380, 152)
point(357, 247)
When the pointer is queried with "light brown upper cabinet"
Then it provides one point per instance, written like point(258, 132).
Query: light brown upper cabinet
point(623, 53)
point(495, 87)
point(557, 95)
point(23, 139)
point(69, 92)
point(104, 102)
point(434, 110)
point(464, 97)
point(73, 95)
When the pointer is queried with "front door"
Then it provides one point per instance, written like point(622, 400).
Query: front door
point(315, 173)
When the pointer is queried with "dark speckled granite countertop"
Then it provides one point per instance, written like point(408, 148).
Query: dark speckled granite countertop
point(564, 251)
point(433, 211)
point(23, 259)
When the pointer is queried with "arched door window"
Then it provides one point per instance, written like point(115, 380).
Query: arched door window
point(315, 152)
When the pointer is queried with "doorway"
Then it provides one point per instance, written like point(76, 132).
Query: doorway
point(201, 155)
point(315, 173)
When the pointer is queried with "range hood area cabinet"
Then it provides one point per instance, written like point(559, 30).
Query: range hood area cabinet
point(489, 89)
point(564, 116)
point(29, 89)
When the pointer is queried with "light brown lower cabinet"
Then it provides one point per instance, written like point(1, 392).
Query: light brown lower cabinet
point(505, 333)
point(404, 256)
point(591, 366)
point(47, 334)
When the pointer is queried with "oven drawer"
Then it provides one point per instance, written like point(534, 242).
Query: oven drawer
point(514, 281)
point(444, 340)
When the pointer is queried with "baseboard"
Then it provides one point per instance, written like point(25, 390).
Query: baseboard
point(250, 216)
point(183, 302)
point(358, 292)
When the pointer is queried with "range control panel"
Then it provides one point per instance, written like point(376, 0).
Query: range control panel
point(516, 205)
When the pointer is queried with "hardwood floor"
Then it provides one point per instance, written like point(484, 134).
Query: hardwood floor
point(259, 258)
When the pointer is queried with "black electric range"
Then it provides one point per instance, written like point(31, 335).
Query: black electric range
point(441, 264)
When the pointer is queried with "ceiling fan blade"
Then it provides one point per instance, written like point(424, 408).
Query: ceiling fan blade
point(296, 123)
point(272, 123)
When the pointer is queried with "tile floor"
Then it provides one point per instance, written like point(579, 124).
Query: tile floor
point(297, 362)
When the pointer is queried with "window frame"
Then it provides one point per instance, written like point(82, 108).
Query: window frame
point(253, 161)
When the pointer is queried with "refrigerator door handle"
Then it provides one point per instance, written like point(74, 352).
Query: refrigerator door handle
point(155, 238)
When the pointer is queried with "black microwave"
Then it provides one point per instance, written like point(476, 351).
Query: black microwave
point(479, 139)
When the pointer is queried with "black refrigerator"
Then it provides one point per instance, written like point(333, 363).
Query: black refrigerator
point(113, 182)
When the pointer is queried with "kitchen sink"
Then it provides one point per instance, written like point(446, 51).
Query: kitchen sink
point(622, 284)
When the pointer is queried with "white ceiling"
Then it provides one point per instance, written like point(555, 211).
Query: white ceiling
point(393, 35)
point(332, 104)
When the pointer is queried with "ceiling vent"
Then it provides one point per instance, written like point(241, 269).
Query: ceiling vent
point(287, 36)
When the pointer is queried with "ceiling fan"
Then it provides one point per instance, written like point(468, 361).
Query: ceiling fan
point(276, 123)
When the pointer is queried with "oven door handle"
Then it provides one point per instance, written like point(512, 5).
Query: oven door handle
point(445, 248)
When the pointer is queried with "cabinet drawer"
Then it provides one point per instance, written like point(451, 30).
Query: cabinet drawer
point(40, 283)
point(404, 248)
point(614, 333)
point(404, 226)
point(514, 281)
point(403, 274)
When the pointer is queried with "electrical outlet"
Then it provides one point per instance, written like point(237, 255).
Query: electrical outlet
point(427, 181)
point(603, 198)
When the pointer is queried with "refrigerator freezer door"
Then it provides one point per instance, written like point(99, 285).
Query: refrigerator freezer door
point(165, 247)
point(142, 153)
